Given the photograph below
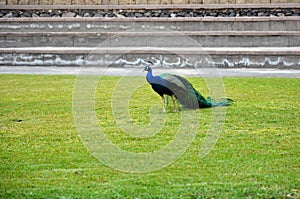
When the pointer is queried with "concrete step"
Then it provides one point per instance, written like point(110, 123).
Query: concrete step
point(100, 24)
point(270, 42)
point(151, 39)
point(258, 57)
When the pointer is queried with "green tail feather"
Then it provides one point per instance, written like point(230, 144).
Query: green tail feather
point(222, 102)
point(207, 103)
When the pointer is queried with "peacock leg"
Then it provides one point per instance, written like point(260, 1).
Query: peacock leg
point(174, 102)
point(164, 102)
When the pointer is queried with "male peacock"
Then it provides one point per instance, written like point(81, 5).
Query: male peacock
point(181, 89)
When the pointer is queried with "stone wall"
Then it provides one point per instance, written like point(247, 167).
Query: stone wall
point(136, 2)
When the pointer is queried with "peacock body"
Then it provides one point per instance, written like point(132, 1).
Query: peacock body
point(181, 89)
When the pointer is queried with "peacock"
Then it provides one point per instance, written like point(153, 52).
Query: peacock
point(181, 89)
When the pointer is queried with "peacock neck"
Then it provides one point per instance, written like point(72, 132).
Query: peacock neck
point(149, 76)
point(153, 79)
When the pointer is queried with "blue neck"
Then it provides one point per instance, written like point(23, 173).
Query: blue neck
point(154, 79)
point(149, 76)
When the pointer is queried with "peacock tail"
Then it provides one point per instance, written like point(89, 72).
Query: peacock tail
point(187, 95)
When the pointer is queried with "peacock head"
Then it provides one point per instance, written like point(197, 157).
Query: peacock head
point(147, 68)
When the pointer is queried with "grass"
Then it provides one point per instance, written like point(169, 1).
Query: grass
point(42, 156)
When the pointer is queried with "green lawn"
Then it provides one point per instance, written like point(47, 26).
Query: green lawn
point(42, 156)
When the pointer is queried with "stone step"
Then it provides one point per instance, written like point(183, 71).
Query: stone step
point(258, 57)
point(102, 24)
point(152, 6)
point(152, 10)
point(151, 39)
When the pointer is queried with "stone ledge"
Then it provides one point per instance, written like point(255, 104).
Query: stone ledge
point(159, 33)
point(168, 11)
point(158, 50)
point(177, 19)
point(286, 58)
point(148, 6)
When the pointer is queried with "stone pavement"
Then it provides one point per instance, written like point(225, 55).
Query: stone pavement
point(205, 72)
